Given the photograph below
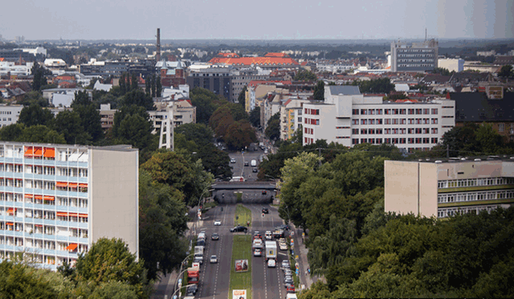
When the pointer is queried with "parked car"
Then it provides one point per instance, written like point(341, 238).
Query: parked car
point(283, 227)
point(239, 228)
point(191, 290)
point(282, 245)
point(288, 279)
point(255, 170)
point(285, 264)
point(215, 236)
point(265, 210)
point(247, 163)
point(214, 259)
point(217, 222)
point(232, 160)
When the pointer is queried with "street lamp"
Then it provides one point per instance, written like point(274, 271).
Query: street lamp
point(172, 295)
point(181, 271)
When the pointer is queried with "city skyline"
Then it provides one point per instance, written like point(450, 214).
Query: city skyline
point(268, 20)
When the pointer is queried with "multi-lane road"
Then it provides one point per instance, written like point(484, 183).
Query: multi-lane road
point(267, 283)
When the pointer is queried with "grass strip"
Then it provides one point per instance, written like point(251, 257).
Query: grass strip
point(243, 215)
point(241, 250)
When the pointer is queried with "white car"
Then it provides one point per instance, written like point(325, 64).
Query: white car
point(214, 259)
point(282, 245)
point(217, 222)
point(232, 160)
point(271, 263)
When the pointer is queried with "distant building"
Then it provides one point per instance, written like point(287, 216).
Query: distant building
point(269, 61)
point(9, 114)
point(415, 57)
point(453, 65)
point(444, 188)
point(486, 53)
point(215, 79)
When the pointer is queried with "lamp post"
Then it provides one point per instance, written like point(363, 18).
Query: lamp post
point(179, 289)
point(181, 272)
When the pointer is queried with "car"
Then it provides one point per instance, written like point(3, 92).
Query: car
point(247, 163)
point(198, 260)
point(267, 235)
point(214, 259)
point(288, 272)
point(257, 252)
point(282, 245)
point(217, 222)
point(232, 160)
point(265, 210)
point(191, 290)
point(285, 264)
point(255, 170)
point(290, 288)
point(288, 279)
point(215, 236)
point(271, 263)
point(282, 227)
point(238, 228)
point(200, 242)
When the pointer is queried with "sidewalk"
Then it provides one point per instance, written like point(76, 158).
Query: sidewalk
point(303, 263)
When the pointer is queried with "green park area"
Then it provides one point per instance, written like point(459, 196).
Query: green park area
point(241, 250)
point(242, 216)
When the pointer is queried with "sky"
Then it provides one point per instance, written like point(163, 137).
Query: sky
point(262, 19)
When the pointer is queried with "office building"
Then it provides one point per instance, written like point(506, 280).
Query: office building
point(443, 188)
point(415, 57)
point(349, 118)
point(56, 200)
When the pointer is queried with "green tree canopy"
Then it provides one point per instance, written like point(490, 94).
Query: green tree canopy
point(240, 134)
point(319, 91)
point(255, 117)
point(35, 115)
point(305, 75)
point(273, 128)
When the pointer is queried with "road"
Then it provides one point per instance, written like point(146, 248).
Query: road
point(214, 278)
point(238, 168)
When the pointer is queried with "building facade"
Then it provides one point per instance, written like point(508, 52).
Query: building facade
point(215, 79)
point(56, 200)
point(9, 114)
point(415, 57)
point(444, 188)
point(350, 118)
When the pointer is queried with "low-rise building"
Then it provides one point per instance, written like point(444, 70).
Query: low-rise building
point(9, 114)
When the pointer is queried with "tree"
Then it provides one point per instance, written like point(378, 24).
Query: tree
point(132, 125)
point(506, 72)
point(319, 91)
point(90, 121)
point(109, 260)
point(134, 82)
point(273, 129)
point(255, 117)
point(240, 134)
point(35, 115)
point(154, 86)
point(69, 124)
point(305, 75)
point(81, 98)
point(40, 134)
point(158, 87)
point(206, 102)
point(39, 79)
point(241, 99)
point(139, 98)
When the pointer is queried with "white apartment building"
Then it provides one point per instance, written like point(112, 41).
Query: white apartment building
point(349, 118)
point(9, 114)
point(56, 200)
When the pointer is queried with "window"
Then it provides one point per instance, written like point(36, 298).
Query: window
point(501, 127)
point(387, 121)
point(434, 130)
point(364, 121)
point(355, 121)
point(411, 111)
point(435, 111)
point(379, 111)
point(355, 111)
point(434, 121)
point(355, 131)
point(364, 112)
point(379, 121)
point(355, 141)
point(364, 131)
point(403, 121)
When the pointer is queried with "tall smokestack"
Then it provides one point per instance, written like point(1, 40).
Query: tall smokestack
point(158, 54)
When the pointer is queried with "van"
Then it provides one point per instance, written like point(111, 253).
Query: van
point(253, 163)
point(291, 296)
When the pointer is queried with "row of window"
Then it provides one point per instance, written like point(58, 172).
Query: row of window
point(413, 111)
point(474, 196)
point(49, 215)
point(311, 121)
point(45, 200)
point(417, 60)
point(397, 121)
point(45, 170)
point(388, 131)
point(43, 185)
point(496, 181)
point(44, 229)
point(311, 111)
point(40, 244)
point(395, 140)
point(415, 65)
point(308, 140)
point(448, 212)
point(39, 258)
point(309, 131)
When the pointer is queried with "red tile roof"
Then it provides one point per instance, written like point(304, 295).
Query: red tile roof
point(269, 59)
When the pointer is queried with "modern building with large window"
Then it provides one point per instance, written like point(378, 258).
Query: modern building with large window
point(443, 188)
point(415, 57)
point(350, 118)
point(56, 200)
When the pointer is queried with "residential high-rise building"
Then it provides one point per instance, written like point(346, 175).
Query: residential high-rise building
point(415, 57)
point(444, 188)
point(56, 200)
